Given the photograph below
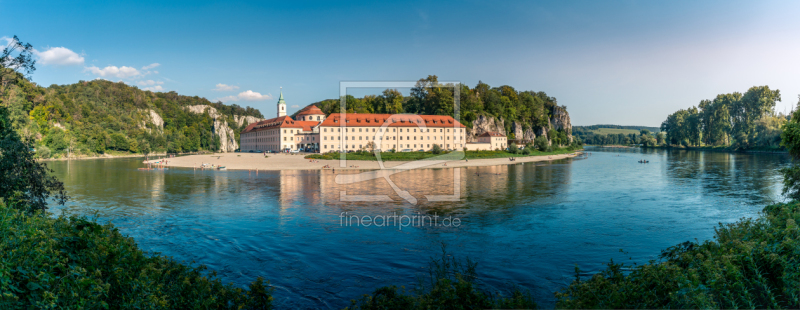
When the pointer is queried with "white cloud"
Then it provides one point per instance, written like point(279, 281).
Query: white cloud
point(121, 72)
point(223, 87)
point(154, 88)
point(246, 96)
point(60, 56)
point(150, 83)
point(151, 66)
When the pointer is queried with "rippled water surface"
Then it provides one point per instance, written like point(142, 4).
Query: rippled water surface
point(525, 224)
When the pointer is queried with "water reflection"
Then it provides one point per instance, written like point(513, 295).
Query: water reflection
point(526, 224)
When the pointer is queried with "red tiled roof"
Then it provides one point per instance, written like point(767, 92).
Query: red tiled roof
point(492, 134)
point(279, 122)
point(396, 120)
point(310, 110)
point(306, 125)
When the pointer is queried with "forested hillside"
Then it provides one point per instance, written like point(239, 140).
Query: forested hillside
point(99, 116)
point(521, 115)
point(735, 120)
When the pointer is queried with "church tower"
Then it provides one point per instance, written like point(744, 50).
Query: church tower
point(281, 105)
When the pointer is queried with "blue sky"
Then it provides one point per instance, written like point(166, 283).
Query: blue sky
point(609, 62)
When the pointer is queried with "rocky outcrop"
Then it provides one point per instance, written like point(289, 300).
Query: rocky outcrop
point(528, 135)
point(242, 120)
point(523, 134)
point(227, 137)
point(152, 117)
point(560, 120)
point(485, 124)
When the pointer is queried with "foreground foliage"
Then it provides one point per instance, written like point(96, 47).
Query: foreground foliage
point(451, 284)
point(21, 176)
point(753, 263)
point(74, 263)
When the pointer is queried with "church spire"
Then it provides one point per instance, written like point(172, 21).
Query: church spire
point(281, 105)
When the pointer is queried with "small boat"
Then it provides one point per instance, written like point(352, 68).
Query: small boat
point(222, 168)
point(643, 161)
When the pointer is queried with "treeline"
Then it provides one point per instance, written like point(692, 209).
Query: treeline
point(594, 135)
point(600, 126)
point(529, 108)
point(94, 117)
point(644, 137)
point(736, 120)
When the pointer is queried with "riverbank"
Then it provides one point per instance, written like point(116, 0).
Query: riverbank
point(282, 161)
point(113, 155)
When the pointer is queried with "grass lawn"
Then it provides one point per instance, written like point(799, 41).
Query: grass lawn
point(454, 155)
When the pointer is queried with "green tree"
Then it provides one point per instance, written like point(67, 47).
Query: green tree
point(24, 181)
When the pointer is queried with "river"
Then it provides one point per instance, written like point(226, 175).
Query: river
point(526, 225)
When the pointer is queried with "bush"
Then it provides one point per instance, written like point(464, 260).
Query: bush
point(436, 149)
point(452, 284)
point(74, 263)
point(750, 264)
point(512, 148)
point(541, 143)
point(526, 151)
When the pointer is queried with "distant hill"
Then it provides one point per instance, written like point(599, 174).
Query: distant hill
point(99, 116)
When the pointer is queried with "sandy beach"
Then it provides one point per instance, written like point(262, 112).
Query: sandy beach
point(252, 161)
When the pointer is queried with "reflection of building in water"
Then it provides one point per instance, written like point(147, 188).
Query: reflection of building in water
point(418, 182)
point(508, 181)
point(299, 187)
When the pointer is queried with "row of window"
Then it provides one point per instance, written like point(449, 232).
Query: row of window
point(360, 146)
point(393, 130)
point(385, 138)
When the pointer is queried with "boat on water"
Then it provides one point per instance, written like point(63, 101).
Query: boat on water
point(221, 168)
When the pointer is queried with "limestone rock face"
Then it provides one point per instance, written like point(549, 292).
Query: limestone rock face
point(528, 135)
point(485, 124)
point(522, 133)
point(227, 137)
point(560, 120)
point(151, 116)
point(241, 120)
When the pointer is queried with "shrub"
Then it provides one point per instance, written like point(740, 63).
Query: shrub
point(512, 148)
point(436, 149)
point(526, 151)
point(541, 143)
point(451, 284)
point(74, 263)
point(750, 264)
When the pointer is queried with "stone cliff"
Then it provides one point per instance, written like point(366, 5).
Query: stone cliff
point(227, 137)
point(151, 117)
point(559, 120)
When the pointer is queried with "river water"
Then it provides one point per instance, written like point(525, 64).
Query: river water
point(526, 225)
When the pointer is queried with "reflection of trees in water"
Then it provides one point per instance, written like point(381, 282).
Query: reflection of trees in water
point(749, 176)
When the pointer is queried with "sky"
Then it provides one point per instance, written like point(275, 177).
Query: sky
point(609, 62)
